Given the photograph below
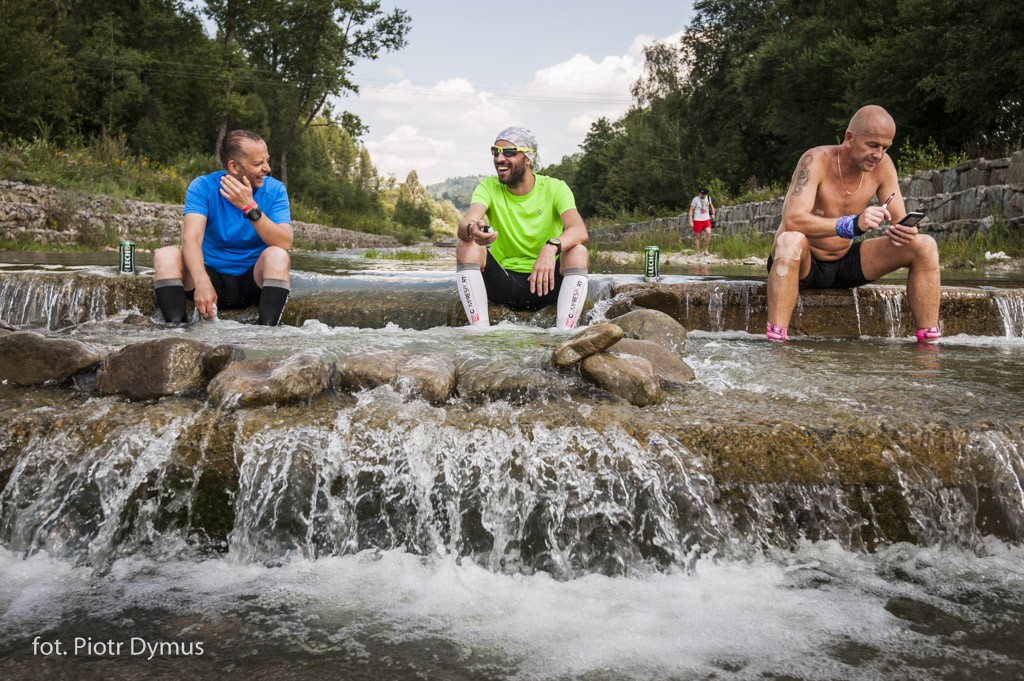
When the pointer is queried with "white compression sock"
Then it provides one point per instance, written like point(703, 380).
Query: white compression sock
point(571, 298)
point(470, 284)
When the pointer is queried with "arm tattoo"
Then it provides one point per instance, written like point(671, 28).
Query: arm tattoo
point(802, 175)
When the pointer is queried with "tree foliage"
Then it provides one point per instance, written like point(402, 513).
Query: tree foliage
point(36, 72)
point(146, 74)
point(753, 83)
point(304, 52)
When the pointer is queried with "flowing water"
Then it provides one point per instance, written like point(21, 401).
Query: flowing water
point(828, 509)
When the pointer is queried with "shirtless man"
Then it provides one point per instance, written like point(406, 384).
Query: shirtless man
point(814, 245)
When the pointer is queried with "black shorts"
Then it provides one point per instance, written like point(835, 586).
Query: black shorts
point(234, 292)
point(842, 273)
point(512, 289)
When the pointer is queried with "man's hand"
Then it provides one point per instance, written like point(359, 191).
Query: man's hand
point(476, 233)
point(205, 297)
point(901, 234)
point(238, 193)
point(542, 279)
point(872, 218)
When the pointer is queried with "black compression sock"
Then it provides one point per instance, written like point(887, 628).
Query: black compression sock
point(272, 300)
point(170, 298)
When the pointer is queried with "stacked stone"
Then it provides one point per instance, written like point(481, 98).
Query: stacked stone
point(636, 358)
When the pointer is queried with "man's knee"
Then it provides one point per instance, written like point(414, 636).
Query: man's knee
point(167, 262)
point(470, 252)
point(787, 254)
point(790, 246)
point(275, 260)
point(925, 249)
point(576, 257)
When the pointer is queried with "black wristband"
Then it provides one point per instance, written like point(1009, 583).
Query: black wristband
point(857, 231)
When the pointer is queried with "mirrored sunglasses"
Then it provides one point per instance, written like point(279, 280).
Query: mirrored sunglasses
point(508, 152)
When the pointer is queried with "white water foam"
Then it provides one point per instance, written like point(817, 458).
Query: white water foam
point(792, 613)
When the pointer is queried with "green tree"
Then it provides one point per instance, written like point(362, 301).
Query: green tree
point(139, 68)
point(36, 75)
point(329, 173)
point(599, 153)
point(304, 52)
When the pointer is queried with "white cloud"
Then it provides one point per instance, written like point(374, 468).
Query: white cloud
point(442, 130)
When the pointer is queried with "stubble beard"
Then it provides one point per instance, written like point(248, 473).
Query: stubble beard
point(517, 173)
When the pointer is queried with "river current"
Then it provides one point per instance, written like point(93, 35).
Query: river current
point(732, 592)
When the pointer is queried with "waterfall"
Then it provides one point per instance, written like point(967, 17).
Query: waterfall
point(51, 301)
point(513, 494)
point(891, 299)
point(1011, 311)
point(83, 490)
point(567, 501)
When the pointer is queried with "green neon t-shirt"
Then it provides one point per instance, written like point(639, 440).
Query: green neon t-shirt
point(523, 223)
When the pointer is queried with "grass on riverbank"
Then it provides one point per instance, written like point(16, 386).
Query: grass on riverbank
point(424, 253)
point(105, 166)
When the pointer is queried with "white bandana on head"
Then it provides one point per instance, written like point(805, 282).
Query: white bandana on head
point(521, 137)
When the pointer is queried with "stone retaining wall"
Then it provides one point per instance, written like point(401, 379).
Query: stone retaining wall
point(957, 201)
point(50, 216)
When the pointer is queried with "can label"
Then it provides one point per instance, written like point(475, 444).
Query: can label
point(126, 257)
point(652, 268)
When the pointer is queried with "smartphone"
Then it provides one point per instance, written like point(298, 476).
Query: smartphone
point(912, 218)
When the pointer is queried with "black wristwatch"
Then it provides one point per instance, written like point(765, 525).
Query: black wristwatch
point(557, 243)
point(253, 214)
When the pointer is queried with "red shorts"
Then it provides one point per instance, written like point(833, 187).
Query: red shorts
point(700, 225)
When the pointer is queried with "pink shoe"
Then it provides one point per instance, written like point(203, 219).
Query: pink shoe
point(931, 335)
point(776, 333)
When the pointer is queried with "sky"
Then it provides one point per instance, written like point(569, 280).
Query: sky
point(473, 68)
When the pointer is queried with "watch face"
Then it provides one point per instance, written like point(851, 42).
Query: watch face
point(254, 214)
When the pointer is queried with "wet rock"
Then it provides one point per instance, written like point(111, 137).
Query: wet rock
point(259, 382)
point(627, 376)
point(29, 358)
point(587, 342)
point(656, 326)
point(672, 372)
point(620, 306)
point(514, 383)
point(152, 369)
point(138, 320)
point(219, 357)
point(427, 375)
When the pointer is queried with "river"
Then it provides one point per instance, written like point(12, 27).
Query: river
point(833, 508)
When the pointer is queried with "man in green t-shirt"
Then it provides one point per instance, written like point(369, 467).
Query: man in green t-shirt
point(519, 226)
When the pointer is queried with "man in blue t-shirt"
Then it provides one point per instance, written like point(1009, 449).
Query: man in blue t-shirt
point(235, 239)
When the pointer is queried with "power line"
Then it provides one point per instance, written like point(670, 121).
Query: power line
point(201, 72)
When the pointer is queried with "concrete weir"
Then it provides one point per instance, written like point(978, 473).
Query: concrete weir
point(59, 299)
point(876, 310)
point(865, 442)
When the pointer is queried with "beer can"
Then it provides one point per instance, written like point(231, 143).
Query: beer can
point(652, 268)
point(126, 257)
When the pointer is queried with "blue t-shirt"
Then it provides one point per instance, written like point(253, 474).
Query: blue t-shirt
point(230, 243)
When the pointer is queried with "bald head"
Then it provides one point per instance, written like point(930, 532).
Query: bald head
point(872, 120)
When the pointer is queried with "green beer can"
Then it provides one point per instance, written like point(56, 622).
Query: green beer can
point(652, 267)
point(126, 257)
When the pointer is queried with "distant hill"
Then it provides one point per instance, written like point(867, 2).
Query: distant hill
point(458, 190)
